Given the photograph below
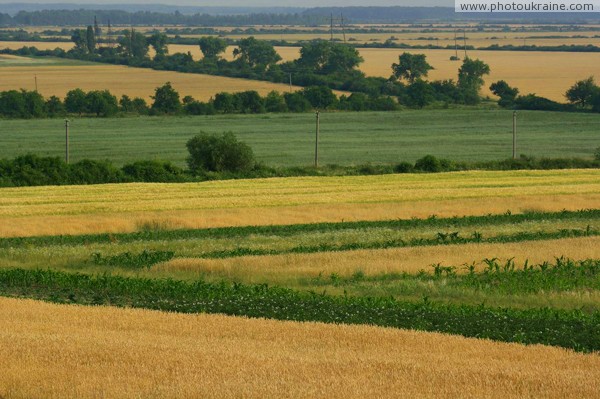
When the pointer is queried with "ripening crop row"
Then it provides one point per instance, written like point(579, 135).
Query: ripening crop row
point(569, 329)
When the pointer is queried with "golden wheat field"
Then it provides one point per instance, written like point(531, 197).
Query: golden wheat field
point(277, 268)
point(125, 207)
point(50, 351)
point(547, 74)
point(134, 82)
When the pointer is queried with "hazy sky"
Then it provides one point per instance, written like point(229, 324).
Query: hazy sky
point(251, 3)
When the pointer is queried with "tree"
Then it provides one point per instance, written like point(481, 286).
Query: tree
point(35, 105)
point(296, 102)
point(320, 97)
point(166, 100)
point(275, 102)
point(90, 40)
point(211, 47)
point(256, 53)
point(470, 79)
point(325, 57)
point(219, 153)
point(226, 103)
point(55, 107)
point(12, 104)
point(75, 101)
point(595, 102)
point(582, 92)
point(506, 93)
point(159, 42)
point(250, 102)
point(411, 67)
point(101, 103)
point(133, 44)
point(470, 74)
point(420, 94)
point(79, 37)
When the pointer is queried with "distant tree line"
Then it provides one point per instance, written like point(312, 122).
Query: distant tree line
point(321, 63)
point(167, 101)
point(584, 95)
point(118, 17)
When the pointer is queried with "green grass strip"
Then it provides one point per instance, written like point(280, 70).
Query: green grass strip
point(289, 230)
point(570, 329)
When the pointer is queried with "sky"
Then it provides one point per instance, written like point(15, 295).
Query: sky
point(251, 3)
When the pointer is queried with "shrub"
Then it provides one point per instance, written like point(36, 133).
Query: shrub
point(154, 172)
point(597, 154)
point(428, 163)
point(89, 171)
point(219, 153)
point(404, 167)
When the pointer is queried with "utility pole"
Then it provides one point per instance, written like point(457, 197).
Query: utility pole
point(465, 42)
point(331, 28)
point(291, 82)
point(455, 45)
point(36, 86)
point(514, 135)
point(67, 141)
point(317, 140)
point(343, 27)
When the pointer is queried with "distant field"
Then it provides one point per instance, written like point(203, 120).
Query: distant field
point(547, 74)
point(58, 79)
point(288, 139)
point(128, 207)
point(51, 351)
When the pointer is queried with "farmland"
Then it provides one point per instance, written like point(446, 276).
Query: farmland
point(217, 356)
point(346, 138)
point(135, 82)
point(560, 72)
point(363, 277)
point(506, 256)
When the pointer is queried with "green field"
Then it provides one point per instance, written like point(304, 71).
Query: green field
point(288, 139)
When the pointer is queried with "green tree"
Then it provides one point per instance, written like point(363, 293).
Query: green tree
point(582, 92)
point(166, 100)
point(159, 42)
point(35, 105)
point(507, 94)
point(250, 102)
point(55, 107)
point(211, 47)
point(101, 103)
point(411, 67)
point(320, 97)
point(296, 102)
point(12, 104)
point(420, 94)
point(79, 38)
point(219, 153)
point(90, 40)
point(325, 57)
point(470, 79)
point(226, 103)
point(75, 101)
point(256, 53)
point(133, 44)
point(595, 102)
point(275, 102)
